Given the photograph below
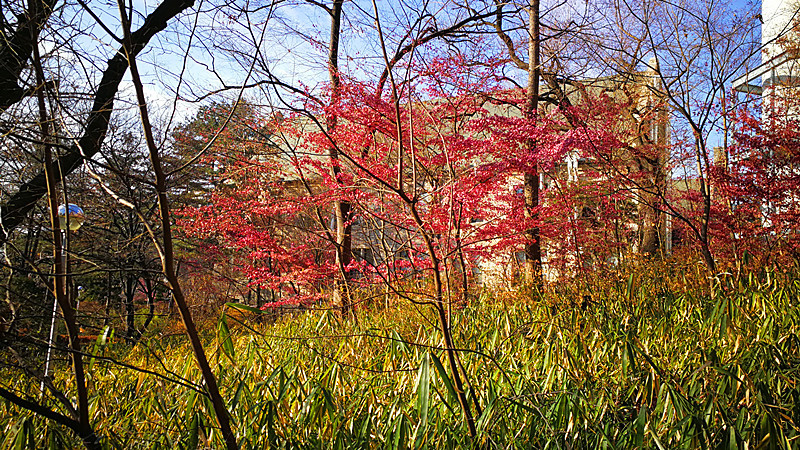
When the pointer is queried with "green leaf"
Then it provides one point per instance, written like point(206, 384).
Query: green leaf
point(239, 389)
point(443, 374)
point(194, 432)
point(24, 438)
point(399, 432)
point(483, 420)
point(640, 423)
point(658, 442)
point(424, 389)
point(224, 336)
point(243, 307)
point(99, 344)
point(629, 288)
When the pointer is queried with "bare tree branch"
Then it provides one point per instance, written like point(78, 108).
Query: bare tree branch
point(20, 204)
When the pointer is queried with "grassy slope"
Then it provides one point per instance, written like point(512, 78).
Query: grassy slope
point(646, 364)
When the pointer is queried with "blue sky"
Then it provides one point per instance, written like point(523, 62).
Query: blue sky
point(208, 49)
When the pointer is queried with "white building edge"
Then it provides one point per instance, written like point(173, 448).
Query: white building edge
point(779, 71)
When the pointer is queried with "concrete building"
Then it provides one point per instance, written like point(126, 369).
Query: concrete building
point(647, 230)
point(777, 78)
point(645, 121)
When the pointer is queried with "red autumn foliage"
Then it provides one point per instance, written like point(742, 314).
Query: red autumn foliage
point(457, 160)
point(442, 162)
point(762, 189)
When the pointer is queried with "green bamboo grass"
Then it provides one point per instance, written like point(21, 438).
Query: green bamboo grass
point(652, 361)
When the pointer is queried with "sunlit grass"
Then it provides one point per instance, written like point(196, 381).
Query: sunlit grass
point(644, 359)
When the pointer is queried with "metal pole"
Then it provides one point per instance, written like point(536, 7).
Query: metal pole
point(50, 340)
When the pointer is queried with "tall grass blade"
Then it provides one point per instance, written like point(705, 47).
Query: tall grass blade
point(423, 389)
point(451, 391)
point(224, 336)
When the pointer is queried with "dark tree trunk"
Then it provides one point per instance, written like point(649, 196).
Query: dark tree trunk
point(533, 247)
point(16, 49)
point(342, 210)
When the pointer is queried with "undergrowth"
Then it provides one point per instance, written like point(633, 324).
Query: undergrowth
point(668, 360)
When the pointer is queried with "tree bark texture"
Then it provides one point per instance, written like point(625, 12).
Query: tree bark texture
point(342, 209)
point(533, 247)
